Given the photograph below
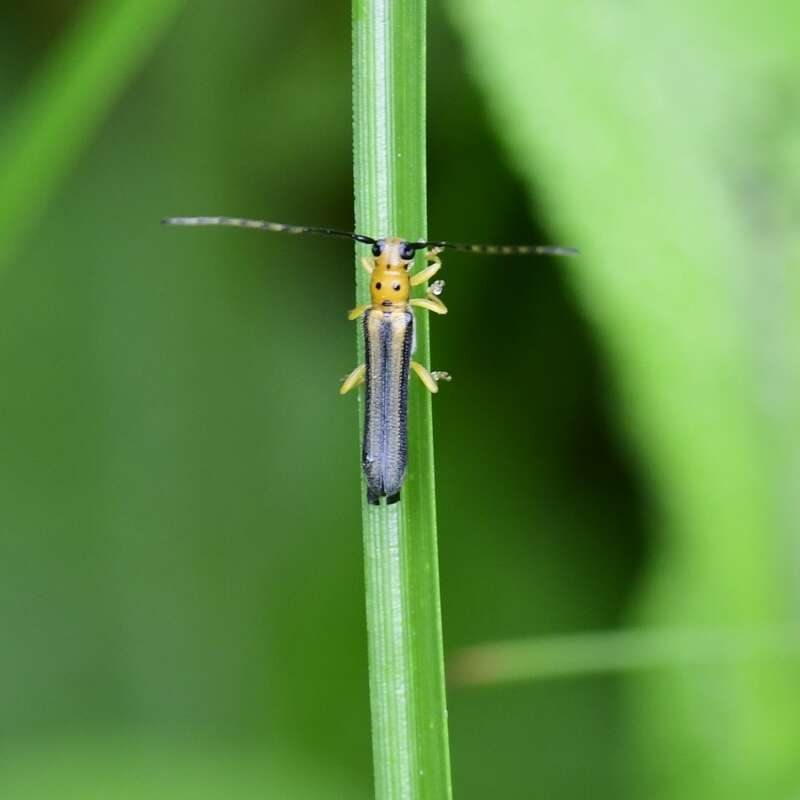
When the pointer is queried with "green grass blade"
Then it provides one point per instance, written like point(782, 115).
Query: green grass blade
point(409, 722)
point(55, 119)
point(658, 138)
point(603, 652)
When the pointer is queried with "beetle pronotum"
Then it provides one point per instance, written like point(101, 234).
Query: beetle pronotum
point(388, 325)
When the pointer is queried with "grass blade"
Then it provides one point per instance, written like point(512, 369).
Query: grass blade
point(604, 652)
point(68, 101)
point(409, 723)
point(658, 137)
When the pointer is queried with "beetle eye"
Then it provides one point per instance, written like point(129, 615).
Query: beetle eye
point(406, 252)
point(376, 249)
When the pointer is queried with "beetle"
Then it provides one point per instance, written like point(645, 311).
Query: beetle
point(388, 329)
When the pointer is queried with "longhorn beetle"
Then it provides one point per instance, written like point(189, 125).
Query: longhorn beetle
point(388, 325)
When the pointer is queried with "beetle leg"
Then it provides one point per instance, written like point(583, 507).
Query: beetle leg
point(426, 274)
point(435, 265)
point(431, 303)
point(355, 378)
point(367, 264)
point(429, 379)
point(358, 311)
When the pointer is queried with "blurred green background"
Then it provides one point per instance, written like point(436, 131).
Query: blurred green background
point(180, 553)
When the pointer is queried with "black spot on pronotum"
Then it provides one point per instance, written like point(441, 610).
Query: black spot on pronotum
point(378, 285)
point(396, 287)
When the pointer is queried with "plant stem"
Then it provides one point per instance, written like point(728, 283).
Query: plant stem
point(409, 718)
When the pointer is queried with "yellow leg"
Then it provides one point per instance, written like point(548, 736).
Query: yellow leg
point(430, 271)
point(367, 264)
point(429, 379)
point(355, 378)
point(358, 311)
point(426, 274)
point(431, 303)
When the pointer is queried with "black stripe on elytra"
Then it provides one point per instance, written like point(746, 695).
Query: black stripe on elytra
point(380, 487)
point(367, 403)
point(404, 376)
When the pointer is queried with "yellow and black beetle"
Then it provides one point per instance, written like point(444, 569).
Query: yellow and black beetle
point(388, 324)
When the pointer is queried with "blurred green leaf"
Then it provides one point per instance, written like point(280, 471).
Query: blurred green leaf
point(142, 768)
point(54, 119)
point(664, 141)
point(582, 654)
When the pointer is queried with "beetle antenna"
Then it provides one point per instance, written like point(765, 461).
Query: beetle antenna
point(501, 249)
point(263, 225)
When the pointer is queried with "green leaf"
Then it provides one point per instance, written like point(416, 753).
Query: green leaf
point(663, 139)
point(409, 721)
point(598, 652)
point(145, 767)
point(57, 116)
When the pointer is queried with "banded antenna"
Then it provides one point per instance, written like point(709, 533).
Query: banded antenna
point(263, 225)
point(500, 249)
point(279, 227)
